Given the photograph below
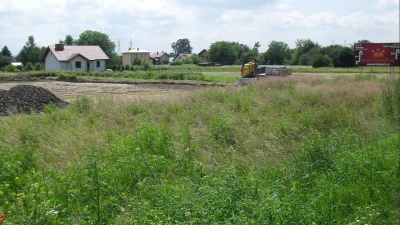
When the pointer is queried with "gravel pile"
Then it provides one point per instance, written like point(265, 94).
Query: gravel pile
point(25, 98)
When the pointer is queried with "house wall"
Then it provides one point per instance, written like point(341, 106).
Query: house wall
point(51, 63)
point(164, 59)
point(179, 57)
point(65, 65)
point(83, 64)
point(101, 68)
point(203, 56)
point(127, 58)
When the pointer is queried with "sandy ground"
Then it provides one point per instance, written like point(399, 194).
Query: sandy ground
point(68, 91)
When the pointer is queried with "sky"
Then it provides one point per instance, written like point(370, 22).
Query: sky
point(155, 24)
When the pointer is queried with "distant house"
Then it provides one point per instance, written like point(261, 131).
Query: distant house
point(17, 64)
point(74, 58)
point(160, 58)
point(129, 56)
point(203, 55)
point(182, 56)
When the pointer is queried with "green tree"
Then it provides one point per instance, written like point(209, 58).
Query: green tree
point(182, 46)
point(69, 40)
point(321, 61)
point(195, 59)
point(37, 67)
point(30, 52)
point(97, 38)
point(222, 52)
point(307, 58)
point(346, 57)
point(10, 68)
point(137, 61)
point(278, 52)
point(4, 61)
point(364, 41)
point(146, 65)
point(28, 66)
point(6, 52)
point(302, 47)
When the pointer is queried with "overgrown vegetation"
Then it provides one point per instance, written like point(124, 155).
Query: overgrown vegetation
point(289, 151)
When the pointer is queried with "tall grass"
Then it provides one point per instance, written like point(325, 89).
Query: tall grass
point(288, 151)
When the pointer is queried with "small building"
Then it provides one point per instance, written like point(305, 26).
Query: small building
point(74, 58)
point(182, 56)
point(17, 64)
point(129, 56)
point(160, 58)
point(203, 55)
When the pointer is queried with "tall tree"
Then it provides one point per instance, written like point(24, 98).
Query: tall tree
point(182, 46)
point(97, 38)
point(302, 47)
point(364, 41)
point(222, 52)
point(278, 52)
point(4, 61)
point(6, 52)
point(30, 52)
point(68, 40)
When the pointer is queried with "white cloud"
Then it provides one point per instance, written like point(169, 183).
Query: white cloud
point(155, 24)
point(387, 3)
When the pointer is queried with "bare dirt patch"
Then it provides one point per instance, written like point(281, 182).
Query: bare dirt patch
point(68, 91)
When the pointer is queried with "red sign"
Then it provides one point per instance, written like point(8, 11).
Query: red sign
point(377, 54)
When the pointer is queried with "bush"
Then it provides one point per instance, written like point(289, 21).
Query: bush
point(176, 63)
point(127, 67)
point(38, 66)
point(195, 59)
point(10, 68)
point(321, 61)
point(146, 65)
point(28, 66)
point(137, 62)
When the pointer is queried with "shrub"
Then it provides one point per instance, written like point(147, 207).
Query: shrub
point(38, 66)
point(137, 62)
point(10, 68)
point(176, 63)
point(321, 61)
point(28, 66)
point(127, 67)
point(146, 65)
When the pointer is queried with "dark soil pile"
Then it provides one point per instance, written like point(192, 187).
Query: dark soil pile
point(27, 98)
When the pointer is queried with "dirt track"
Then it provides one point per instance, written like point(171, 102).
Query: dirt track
point(68, 91)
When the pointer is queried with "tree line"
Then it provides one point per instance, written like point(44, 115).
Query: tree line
point(305, 53)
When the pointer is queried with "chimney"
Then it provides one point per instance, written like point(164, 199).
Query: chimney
point(157, 52)
point(59, 47)
point(138, 49)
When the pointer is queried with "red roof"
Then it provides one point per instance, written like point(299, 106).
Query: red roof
point(70, 52)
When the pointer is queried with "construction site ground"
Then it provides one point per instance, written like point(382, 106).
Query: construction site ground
point(134, 91)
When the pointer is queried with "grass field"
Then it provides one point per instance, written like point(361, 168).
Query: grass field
point(294, 150)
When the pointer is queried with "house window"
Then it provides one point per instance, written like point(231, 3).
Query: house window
point(98, 64)
point(78, 64)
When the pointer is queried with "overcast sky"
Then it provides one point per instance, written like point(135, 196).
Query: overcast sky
point(155, 24)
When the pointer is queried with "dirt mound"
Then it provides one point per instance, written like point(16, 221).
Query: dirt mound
point(25, 98)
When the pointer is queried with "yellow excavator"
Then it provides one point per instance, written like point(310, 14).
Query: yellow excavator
point(249, 68)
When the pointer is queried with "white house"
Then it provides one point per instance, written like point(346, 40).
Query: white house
point(182, 56)
point(74, 58)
